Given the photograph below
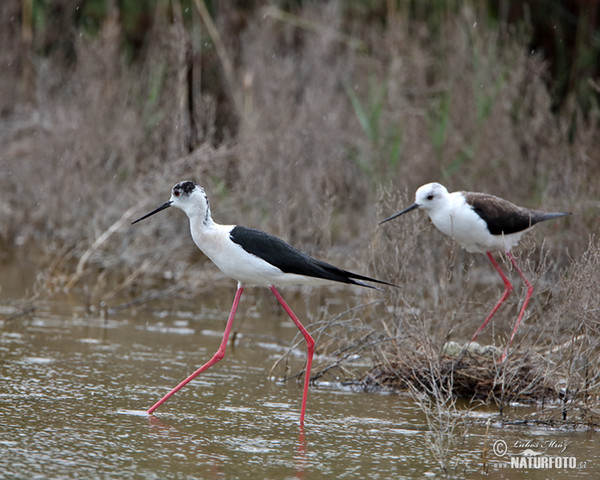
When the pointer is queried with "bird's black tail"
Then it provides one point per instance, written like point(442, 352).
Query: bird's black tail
point(345, 276)
point(543, 216)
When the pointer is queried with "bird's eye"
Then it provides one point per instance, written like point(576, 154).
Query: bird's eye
point(176, 193)
point(430, 196)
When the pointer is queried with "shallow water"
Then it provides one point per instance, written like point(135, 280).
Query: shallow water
point(74, 389)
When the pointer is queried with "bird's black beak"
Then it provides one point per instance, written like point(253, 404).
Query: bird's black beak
point(162, 207)
point(406, 210)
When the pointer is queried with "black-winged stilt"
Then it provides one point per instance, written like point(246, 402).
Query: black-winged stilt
point(481, 223)
point(252, 257)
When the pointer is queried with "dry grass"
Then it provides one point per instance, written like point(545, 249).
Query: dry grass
point(475, 378)
point(328, 135)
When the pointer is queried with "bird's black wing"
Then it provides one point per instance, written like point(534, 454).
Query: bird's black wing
point(504, 217)
point(291, 260)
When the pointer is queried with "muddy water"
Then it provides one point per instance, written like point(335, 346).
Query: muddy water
point(74, 388)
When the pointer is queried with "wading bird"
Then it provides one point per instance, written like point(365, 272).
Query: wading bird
point(481, 223)
point(252, 257)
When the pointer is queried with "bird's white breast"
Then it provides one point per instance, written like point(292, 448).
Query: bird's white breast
point(231, 258)
point(459, 221)
point(237, 263)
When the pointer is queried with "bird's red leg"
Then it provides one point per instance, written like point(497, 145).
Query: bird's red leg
point(310, 347)
point(216, 357)
point(522, 311)
point(507, 289)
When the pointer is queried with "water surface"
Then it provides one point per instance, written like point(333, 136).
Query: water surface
point(74, 388)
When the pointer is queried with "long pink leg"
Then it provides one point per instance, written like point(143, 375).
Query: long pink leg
point(525, 302)
point(310, 347)
point(507, 289)
point(216, 357)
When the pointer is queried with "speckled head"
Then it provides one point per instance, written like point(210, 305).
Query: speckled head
point(189, 197)
point(184, 188)
point(192, 199)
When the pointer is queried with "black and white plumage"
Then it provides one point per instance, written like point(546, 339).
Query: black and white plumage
point(480, 223)
point(252, 257)
point(296, 266)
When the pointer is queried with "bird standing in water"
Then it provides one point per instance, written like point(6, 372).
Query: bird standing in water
point(252, 257)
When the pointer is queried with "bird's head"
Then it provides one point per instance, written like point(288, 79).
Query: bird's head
point(428, 196)
point(187, 196)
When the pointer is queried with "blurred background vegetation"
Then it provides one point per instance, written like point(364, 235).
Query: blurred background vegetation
point(564, 32)
point(304, 118)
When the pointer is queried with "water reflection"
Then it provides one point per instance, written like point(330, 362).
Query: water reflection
point(74, 392)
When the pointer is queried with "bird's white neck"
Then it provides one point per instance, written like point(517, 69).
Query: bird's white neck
point(200, 218)
point(443, 215)
point(197, 209)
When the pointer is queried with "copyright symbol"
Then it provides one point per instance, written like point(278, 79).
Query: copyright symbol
point(500, 448)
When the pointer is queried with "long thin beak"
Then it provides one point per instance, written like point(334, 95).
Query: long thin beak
point(406, 210)
point(162, 207)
